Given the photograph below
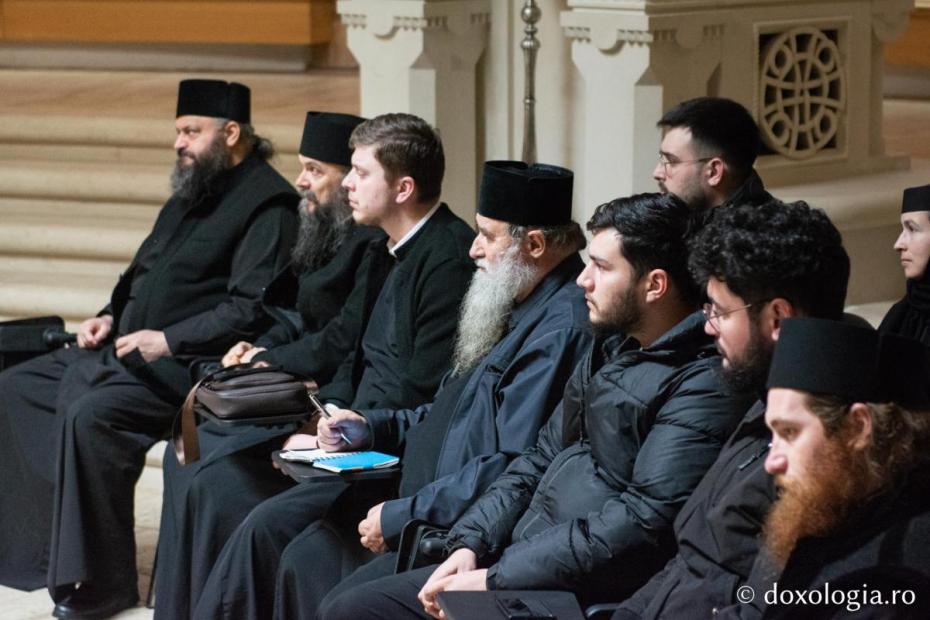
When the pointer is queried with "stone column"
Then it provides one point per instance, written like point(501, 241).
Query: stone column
point(419, 56)
point(633, 67)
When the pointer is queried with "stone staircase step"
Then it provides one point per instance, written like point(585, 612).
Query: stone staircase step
point(112, 154)
point(92, 182)
point(64, 266)
point(90, 239)
point(116, 141)
point(73, 296)
point(73, 211)
point(122, 132)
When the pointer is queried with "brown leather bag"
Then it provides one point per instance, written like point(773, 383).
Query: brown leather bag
point(239, 395)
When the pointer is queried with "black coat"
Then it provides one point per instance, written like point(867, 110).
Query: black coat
point(433, 272)
point(590, 507)
point(885, 546)
point(498, 412)
point(313, 339)
point(752, 192)
point(204, 289)
point(717, 532)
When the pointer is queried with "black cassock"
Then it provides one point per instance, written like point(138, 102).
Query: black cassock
point(234, 465)
point(210, 498)
point(75, 424)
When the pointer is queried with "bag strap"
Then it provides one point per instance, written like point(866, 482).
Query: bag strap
point(184, 429)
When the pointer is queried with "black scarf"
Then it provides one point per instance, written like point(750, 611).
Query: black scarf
point(910, 317)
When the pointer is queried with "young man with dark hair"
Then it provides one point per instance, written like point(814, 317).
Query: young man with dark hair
point(849, 412)
point(707, 154)
point(761, 265)
point(394, 184)
point(76, 423)
point(315, 302)
point(406, 341)
point(589, 507)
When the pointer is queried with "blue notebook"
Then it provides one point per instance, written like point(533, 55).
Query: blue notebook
point(342, 461)
point(355, 461)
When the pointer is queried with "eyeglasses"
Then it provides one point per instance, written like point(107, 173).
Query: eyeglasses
point(666, 164)
point(714, 317)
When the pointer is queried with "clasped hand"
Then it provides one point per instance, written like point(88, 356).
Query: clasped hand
point(458, 572)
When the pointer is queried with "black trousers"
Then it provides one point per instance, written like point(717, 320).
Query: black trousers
point(241, 584)
point(392, 597)
point(318, 560)
point(74, 429)
point(205, 501)
point(243, 581)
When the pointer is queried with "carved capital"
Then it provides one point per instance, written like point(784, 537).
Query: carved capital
point(607, 30)
point(384, 18)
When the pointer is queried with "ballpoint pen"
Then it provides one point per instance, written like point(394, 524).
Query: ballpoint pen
point(326, 414)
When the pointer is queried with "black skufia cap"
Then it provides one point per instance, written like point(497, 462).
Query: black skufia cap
point(326, 137)
point(826, 357)
point(916, 199)
point(903, 372)
point(537, 195)
point(215, 98)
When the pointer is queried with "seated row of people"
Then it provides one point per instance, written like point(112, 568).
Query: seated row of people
point(606, 450)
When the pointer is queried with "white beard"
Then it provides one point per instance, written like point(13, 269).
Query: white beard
point(486, 308)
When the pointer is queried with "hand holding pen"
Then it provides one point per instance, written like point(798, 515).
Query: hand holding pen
point(330, 433)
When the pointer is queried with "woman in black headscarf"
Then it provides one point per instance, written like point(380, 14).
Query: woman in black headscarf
point(911, 316)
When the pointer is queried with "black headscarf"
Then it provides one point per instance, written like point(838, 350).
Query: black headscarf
point(911, 316)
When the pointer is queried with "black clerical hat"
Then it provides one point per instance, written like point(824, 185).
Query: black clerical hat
point(826, 357)
point(903, 372)
point(537, 195)
point(916, 199)
point(326, 137)
point(215, 98)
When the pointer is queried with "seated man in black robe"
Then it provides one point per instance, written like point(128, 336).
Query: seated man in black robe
point(312, 335)
point(325, 280)
point(589, 507)
point(415, 281)
point(849, 411)
point(75, 424)
point(522, 330)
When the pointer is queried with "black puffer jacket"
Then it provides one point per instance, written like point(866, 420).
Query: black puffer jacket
point(590, 507)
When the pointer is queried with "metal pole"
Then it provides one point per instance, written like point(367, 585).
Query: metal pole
point(530, 15)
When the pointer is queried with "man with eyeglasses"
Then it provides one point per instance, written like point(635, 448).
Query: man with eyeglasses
point(707, 153)
point(761, 264)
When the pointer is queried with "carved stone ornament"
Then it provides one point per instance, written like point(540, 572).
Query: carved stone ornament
point(802, 92)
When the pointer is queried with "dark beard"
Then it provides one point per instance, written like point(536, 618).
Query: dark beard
point(322, 230)
point(818, 506)
point(623, 317)
point(748, 374)
point(197, 181)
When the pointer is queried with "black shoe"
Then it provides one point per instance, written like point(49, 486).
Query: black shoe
point(90, 603)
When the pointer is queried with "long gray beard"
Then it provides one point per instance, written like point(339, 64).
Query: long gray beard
point(322, 231)
point(487, 306)
point(195, 182)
